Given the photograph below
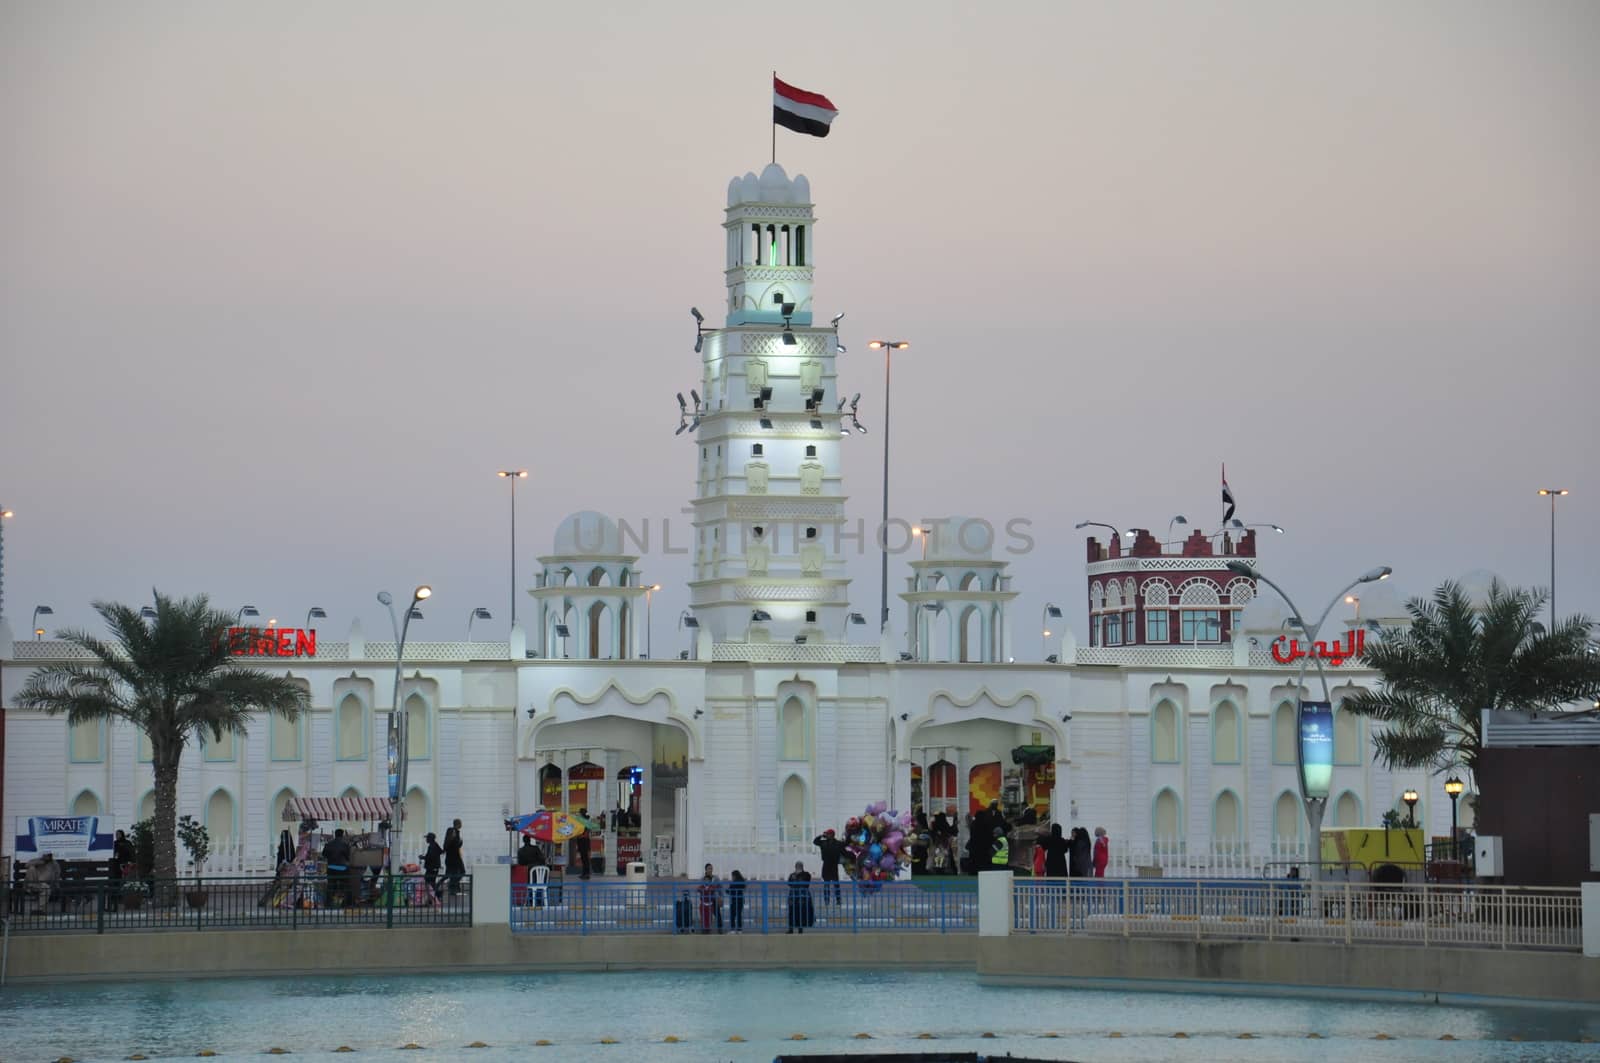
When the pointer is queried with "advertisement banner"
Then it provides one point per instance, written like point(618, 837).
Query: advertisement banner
point(394, 761)
point(64, 837)
point(1316, 747)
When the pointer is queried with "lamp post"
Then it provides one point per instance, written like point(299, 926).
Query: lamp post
point(480, 613)
point(1315, 804)
point(513, 475)
point(38, 611)
point(398, 736)
point(316, 612)
point(648, 591)
point(1179, 519)
point(1410, 797)
point(1052, 611)
point(688, 620)
point(245, 611)
point(147, 612)
point(5, 515)
point(850, 618)
point(888, 347)
point(1554, 493)
point(1453, 786)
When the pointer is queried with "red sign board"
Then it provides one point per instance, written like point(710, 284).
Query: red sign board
point(271, 642)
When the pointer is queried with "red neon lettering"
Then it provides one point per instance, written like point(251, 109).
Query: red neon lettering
point(285, 647)
point(305, 643)
point(262, 644)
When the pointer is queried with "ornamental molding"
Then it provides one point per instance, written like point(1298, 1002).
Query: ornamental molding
point(1162, 564)
point(767, 274)
point(765, 211)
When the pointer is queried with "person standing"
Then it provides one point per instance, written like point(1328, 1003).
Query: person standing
point(336, 853)
point(800, 911)
point(1056, 848)
point(455, 866)
point(999, 851)
point(580, 848)
point(1038, 858)
point(1078, 858)
point(430, 862)
point(710, 901)
point(121, 868)
point(832, 852)
point(1102, 852)
point(736, 902)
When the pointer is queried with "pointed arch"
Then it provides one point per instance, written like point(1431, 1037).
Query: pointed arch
point(147, 805)
point(792, 729)
point(275, 820)
point(971, 634)
point(1284, 737)
point(1166, 816)
point(1347, 810)
point(86, 742)
point(1227, 745)
point(87, 803)
point(221, 820)
point(794, 804)
point(419, 812)
point(1166, 741)
point(1286, 817)
point(1227, 819)
point(1346, 736)
point(419, 726)
point(351, 721)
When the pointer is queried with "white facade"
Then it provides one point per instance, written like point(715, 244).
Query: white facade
point(773, 726)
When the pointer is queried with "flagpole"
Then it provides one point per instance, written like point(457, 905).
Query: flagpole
point(774, 124)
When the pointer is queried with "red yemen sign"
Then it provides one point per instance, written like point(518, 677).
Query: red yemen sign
point(271, 642)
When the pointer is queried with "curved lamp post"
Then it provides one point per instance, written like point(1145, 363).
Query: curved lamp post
point(316, 612)
point(480, 613)
point(1052, 611)
point(1315, 804)
point(648, 624)
point(1411, 797)
point(397, 722)
point(38, 611)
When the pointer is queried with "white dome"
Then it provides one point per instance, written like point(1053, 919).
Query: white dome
point(961, 539)
point(1265, 615)
point(734, 187)
point(802, 189)
point(775, 186)
point(1382, 601)
point(588, 534)
point(749, 189)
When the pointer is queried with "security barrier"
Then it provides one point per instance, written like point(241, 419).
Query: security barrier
point(235, 903)
point(752, 907)
point(1482, 916)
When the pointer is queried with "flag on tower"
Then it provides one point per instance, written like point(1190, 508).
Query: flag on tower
point(1227, 496)
point(801, 111)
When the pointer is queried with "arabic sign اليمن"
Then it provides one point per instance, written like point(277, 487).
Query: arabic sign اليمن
point(1316, 747)
point(1286, 650)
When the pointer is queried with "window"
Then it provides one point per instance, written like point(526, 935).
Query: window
point(793, 737)
point(418, 735)
point(1114, 630)
point(147, 752)
point(219, 818)
point(217, 749)
point(1346, 738)
point(1201, 625)
point(1164, 734)
point(1225, 734)
point(1166, 817)
point(811, 451)
point(147, 805)
point(1227, 819)
point(352, 728)
point(86, 804)
point(1096, 637)
point(1286, 818)
point(285, 738)
point(1284, 738)
point(1129, 631)
point(757, 450)
point(1155, 626)
point(1347, 810)
point(86, 741)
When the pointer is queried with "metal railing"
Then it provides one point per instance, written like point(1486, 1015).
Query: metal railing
point(1482, 916)
point(256, 902)
point(694, 907)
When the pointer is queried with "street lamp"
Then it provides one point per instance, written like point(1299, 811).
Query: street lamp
point(919, 532)
point(888, 347)
point(1180, 519)
point(316, 612)
point(1554, 493)
point(1453, 786)
point(245, 611)
point(648, 591)
point(398, 732)
point(513, 475)
point(1411, 797)
point(852, 618)
point(480, 613)
point(1051, 612)
point(1315, 804)
point(147, 612)
point(5, 515)
point(562, 631)
point(38, 611)
point(688, 620)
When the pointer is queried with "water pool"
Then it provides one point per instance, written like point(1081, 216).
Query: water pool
point(311, 1017)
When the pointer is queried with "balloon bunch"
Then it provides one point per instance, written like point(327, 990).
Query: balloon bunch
point(877, 843)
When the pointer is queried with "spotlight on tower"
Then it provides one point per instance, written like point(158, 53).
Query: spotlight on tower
point(689, 416)
point(766, 422)
point(837, 318)
point(698, 316)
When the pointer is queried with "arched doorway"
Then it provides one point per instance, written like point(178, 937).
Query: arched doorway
point(794, 824)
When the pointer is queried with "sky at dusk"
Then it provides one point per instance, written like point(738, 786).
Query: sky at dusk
point(283, 284)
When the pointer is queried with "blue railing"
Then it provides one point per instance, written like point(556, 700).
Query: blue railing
point(696, 907)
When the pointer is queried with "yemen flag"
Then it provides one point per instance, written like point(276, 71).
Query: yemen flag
point(1227, 496)
point(801, 111)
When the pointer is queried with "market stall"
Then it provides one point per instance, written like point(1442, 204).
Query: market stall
point(304, 879)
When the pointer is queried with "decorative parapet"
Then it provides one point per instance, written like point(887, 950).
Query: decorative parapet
point(796, 653)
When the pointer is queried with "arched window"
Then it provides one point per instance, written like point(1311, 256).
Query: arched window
point(1346, 737)
point(1227, 818)
point(1164, 740)
point(275, 822)
point(1167, 817)
point(419, 733)
point(1225, 744)
point(1283, 734)
point(419, 812)
point(146, 752)
point(86, 804)
point(602, 645)
point(792, 721)
point(217, 749)
point(147, 805)
point(352, 728)
point(971, 634)
point(86, 741)
point(793, 824)
point(1347, 810)
point(351, 825)
point(1286, 817)
point(219, 818)
point(285, 737)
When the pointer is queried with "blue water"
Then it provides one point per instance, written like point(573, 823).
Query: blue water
point(443, 1013)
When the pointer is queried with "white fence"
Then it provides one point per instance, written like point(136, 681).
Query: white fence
point(756, 853)
point(1504, 917)
point(236, 859)
point(1176, 858)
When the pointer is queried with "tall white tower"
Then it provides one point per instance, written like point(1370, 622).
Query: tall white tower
point(768, 507)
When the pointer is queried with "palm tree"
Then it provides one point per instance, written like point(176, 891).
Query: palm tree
point(1458, 658)
point(173, 679)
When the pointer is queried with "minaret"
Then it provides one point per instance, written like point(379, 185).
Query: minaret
point(768, 507)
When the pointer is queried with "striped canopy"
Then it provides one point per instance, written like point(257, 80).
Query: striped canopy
point(336, 808)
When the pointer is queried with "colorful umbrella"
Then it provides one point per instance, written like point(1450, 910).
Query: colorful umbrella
point(548, 826)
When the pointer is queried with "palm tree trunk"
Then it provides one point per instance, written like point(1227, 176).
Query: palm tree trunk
point(166, 826)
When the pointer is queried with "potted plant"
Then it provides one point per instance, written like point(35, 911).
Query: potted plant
point(134, 891)
point(197, 841)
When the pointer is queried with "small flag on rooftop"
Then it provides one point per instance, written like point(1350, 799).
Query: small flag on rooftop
point(1227, 496)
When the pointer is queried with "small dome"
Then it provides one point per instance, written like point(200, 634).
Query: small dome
point(802, 189)
point(749, 189)
point(734, 187)
point(961, 539)
point(588, 534)
point(1265, 615)
point(1382, 601)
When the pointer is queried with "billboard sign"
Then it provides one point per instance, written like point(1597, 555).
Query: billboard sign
point(64, 837)
point(1316, 747)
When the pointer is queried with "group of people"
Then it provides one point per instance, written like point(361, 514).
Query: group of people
point(801, 912)
point(1072, 855)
